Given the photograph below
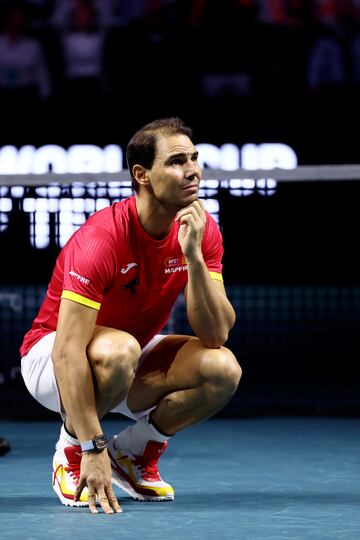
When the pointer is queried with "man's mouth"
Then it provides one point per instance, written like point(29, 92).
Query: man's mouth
point(191, 187)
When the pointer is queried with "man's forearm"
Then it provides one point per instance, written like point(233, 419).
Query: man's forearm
point(76, 388)
point(210, 313)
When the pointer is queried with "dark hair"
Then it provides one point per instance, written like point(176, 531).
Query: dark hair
point(141, 149)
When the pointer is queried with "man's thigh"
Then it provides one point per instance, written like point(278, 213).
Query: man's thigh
point(173, 364)
point(38, 373)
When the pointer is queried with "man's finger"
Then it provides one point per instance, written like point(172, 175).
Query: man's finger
point(196, 210)
point(113, 500)
point(199, 207)
point(103, 500)
point(92, 502)
point(79, 489)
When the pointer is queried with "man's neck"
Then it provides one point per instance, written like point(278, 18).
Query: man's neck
point(155, 218)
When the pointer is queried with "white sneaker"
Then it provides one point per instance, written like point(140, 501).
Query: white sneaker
point(66, 474)
point(139, 475)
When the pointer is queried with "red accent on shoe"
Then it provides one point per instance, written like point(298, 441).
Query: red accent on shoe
point(148, 462)
point(55, 474)
point(73, 456)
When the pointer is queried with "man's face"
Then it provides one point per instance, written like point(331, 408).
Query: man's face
point(175, 174)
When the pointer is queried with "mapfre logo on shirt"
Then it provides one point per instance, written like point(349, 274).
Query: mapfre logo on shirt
point(80, 278)
point(175, 264)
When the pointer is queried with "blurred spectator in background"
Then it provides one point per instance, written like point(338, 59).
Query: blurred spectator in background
point(83, 82)
point(224, 41)
point(124, 12)
point(355, 59)
point(150, 60)
point(121, 47)
point(281, 43)
point(326, 63)
point(185, 55)
point(24, 76)
point(63, 12)
point(349, 15)
point(330, 61)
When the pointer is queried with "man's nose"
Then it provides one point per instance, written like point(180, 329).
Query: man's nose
point(192, 168)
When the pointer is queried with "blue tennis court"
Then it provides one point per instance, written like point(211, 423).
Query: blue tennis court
point(255, 478)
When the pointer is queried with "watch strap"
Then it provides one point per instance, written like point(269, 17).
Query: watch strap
point(97, 444)
point(88, 446)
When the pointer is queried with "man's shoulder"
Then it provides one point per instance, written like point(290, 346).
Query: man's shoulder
point(115, 215)
point(107, 226)
point(212, 227)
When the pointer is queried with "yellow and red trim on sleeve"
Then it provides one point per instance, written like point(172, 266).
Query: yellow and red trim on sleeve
point(79, 299)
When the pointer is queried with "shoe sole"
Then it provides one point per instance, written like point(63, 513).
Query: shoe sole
point(125, 486)
point(65, 501)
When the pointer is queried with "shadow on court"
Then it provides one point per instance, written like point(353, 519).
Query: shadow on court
point(255, 479)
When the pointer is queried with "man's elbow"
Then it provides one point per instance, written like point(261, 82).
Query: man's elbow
point(214, 340)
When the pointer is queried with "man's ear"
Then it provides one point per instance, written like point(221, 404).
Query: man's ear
point(140, 174)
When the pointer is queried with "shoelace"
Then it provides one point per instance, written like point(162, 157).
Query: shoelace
point(148, 468)
point(74, 470)
point(74, 462)
point(147, 464)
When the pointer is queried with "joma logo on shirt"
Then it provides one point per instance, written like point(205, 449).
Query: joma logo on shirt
point(128, 267)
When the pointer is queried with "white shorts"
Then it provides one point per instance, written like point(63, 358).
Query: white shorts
point(39, 377)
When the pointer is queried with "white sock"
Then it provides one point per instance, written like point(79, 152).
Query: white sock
point(65, 439)
point(135, 437)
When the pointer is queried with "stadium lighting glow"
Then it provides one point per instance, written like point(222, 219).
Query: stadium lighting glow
point(90, 158)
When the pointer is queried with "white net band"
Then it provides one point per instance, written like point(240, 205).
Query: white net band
point(301, 173)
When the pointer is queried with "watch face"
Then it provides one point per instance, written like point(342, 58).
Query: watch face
point(100, 442)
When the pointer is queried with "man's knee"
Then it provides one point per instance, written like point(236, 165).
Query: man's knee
point(114, 355)
point(221, 370)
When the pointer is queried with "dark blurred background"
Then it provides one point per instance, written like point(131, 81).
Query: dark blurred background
point(236, 70)
point(239, 71)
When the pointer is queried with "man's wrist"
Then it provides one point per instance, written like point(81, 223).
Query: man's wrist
point(196, 260)
point(95, 445)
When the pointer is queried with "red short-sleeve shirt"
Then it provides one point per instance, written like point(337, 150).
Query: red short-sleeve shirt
point(112, 265)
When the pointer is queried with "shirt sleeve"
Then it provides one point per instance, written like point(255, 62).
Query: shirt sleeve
point(89, 266)
point(212, 247)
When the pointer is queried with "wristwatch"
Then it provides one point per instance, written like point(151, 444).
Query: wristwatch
point(97, 444)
